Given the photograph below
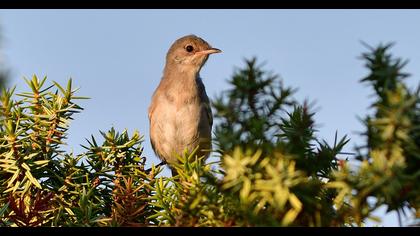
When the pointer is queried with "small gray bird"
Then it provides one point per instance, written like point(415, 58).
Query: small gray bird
point(180, 115)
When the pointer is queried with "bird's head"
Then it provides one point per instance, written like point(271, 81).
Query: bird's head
point(189, 53)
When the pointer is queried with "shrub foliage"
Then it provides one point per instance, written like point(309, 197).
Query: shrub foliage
point(272, 170)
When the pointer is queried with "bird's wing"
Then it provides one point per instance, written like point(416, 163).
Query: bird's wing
point(209, 113)
point(206, 102)
point(151, 108)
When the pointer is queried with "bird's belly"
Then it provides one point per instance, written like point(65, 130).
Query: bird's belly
point(178, 129)
point(185, 124)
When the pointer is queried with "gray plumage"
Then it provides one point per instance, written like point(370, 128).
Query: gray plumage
point(180, 114)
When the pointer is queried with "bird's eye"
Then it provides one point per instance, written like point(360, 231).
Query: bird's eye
point(189, 48)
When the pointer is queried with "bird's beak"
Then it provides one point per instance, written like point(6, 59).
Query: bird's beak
point(209, 51)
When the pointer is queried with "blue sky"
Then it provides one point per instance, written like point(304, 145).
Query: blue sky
point(116, 57)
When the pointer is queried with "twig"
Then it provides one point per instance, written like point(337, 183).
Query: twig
point(160, 164)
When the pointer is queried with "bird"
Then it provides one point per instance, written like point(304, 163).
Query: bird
point(179, 114)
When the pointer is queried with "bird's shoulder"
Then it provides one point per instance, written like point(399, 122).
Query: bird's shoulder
point(202, 90)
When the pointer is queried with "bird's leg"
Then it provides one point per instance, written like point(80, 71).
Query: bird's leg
point(174, 172)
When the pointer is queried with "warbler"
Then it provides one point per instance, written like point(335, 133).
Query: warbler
point(180, 114)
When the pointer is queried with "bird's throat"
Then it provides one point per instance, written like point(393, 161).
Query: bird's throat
point(181, 88)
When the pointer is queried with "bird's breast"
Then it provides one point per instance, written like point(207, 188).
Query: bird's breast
point(175, 125)
point(179, 120)
point(182, 117)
